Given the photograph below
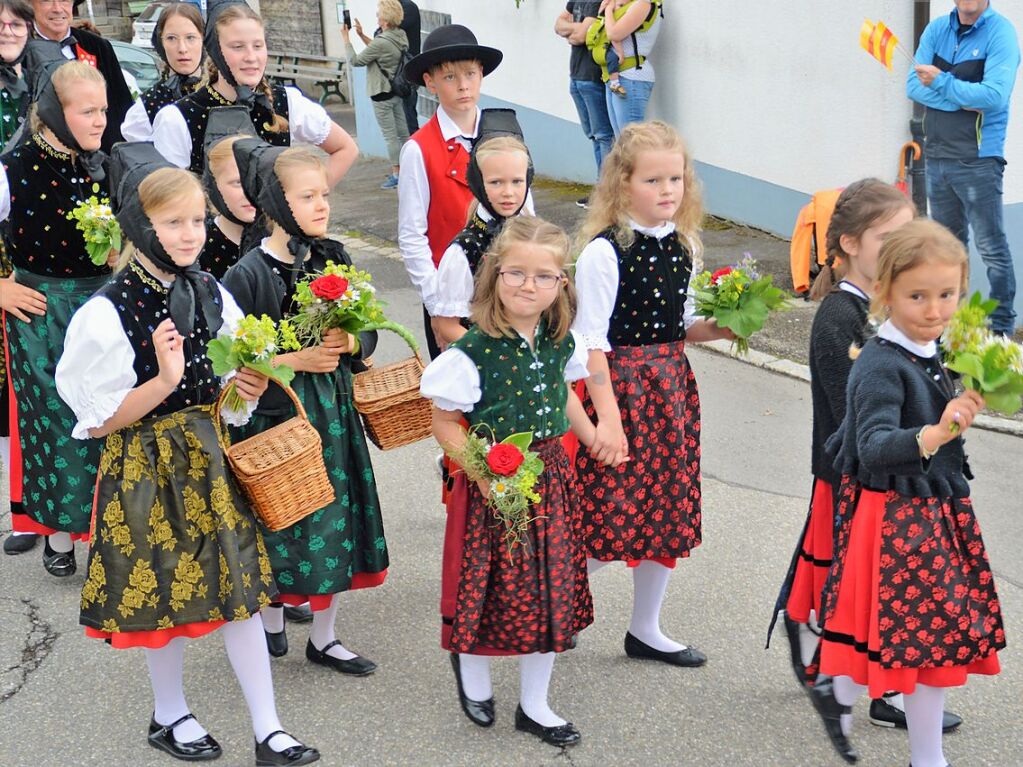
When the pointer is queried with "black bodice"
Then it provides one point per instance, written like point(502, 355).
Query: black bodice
point(157, 97)
point(219, 254)
point(475, 239)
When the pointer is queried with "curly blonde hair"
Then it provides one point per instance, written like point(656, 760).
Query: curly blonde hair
point(609, 203)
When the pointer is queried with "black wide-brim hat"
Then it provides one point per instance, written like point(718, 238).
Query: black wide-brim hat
point(451, 43)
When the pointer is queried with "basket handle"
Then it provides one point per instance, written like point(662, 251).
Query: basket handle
point(299, 410)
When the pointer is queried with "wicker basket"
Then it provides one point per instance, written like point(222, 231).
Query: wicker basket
point(388, 397)
point(281, 470)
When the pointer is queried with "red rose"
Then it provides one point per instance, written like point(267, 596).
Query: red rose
point(714, 278)
point(504, 460)
point(329, 287)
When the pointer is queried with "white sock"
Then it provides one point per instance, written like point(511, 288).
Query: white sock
point(475, 673)
point(925, 709)
point(246, 649)
point(592, 565)
point(61, 542)
point(845, 721)
point(322, 633)
point(166, 668)
point(534, 677)
point(807, 644)
point(5, 453)
point(811, 623)
point(896, 701)
point(650, 582)
point(273, 617)
point(847, 692)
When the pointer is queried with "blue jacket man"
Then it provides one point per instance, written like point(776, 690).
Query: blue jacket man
point(966, 68)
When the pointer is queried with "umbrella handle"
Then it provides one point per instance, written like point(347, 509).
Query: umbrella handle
point(908, 147)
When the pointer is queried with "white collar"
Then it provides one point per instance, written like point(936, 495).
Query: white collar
point(889, 332)
point(848, 287)
point(660, 231)
point(484, 214)
point(44, 37)
point(449, 130)
point(264, 244)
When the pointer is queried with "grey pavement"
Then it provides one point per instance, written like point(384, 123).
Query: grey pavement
point(71, 700)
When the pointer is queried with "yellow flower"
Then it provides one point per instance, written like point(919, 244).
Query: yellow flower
point(241, 613)
point(110, 626)
point(165, 623)
point(142, 577)
point(181, 591)
point(131, 598)
point(113, 514)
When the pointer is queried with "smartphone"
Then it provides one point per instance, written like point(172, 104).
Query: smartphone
point(347, 18)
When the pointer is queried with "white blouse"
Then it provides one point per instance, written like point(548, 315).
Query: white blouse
point(452, 380)
point(455, 282)
point(136, 125)
point(596, 284)
point(308, 123)
point(889, 332)
point(95, 373)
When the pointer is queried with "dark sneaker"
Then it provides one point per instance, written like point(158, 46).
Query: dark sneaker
point(884, 714)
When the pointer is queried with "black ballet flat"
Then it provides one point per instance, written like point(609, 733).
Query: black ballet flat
point(162, 737)
point(690, 657)
point(480, 712)
point(277, 643)
point(562, 736)
point(19, 544)
point(830, 710)
point(795, 651)
point(357, 666)
point(293, 756)
point(59, 563)
point(300, 614)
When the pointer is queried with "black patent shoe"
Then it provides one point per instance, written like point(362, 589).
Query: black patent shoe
point(357, 666)
point(19, 544)
point(795, 651)
point(293, 756)
point(884, 714)
point(277, 643)
point(480, 712)
point(300, 614)
point(561, 736)
point(59, 563)
point(200, 750)
point(830, 710)
point(690, 657)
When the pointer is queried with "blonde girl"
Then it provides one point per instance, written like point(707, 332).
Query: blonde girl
point(231, 210)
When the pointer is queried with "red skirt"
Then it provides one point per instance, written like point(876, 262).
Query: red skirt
point(911, 598)
point(813, 556)
point(649, 508)
point(534, 600)
point(319, 602)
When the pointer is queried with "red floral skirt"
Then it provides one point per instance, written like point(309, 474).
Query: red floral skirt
point(911, 598)
point(535, 599)
point(813, 557)
point(650, 506)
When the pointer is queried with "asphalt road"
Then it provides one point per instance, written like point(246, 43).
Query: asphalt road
point(70, 700)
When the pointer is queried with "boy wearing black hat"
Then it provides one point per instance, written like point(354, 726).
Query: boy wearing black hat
point(433, 193)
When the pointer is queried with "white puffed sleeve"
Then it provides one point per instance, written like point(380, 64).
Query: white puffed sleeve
point(308, 121)
point(95, 373)
point(596, 283)
point(576, 368)
point(136, 125)
point(171, 137)
point(232, 315)
point(454, 284)
point(5, 194)
point(452, 382)
point(689, 315)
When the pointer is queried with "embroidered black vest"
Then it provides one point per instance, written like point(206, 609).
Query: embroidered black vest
point(45, 186)
point(141, 303)
point(219, 254)
point(653, 281)
point(196, 109)
point(476, 238)
point(157, 97)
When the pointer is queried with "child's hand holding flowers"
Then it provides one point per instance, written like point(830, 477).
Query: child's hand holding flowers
point(102, 234)
point(254, 345)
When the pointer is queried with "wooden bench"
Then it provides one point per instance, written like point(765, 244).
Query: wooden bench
point(328, 74)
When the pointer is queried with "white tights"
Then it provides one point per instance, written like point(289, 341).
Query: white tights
point(534, 679)
point(925, 709)
point(649, 585)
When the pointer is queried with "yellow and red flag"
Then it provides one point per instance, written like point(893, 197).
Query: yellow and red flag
point(879, 41)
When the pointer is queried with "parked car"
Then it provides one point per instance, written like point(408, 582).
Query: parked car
point(141, 63)
point(145, 23)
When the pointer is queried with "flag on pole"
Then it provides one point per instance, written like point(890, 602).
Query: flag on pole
point(879, 41)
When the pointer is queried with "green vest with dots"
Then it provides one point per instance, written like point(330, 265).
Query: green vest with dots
point(523, 389)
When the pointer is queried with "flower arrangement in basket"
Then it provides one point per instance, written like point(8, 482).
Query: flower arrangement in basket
point(387, 397)
point(989, 364)
point(739, 299)
point(95, 219)
point(281, 470)
point(511, 471)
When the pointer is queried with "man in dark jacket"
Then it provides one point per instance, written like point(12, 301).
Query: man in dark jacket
point(413, 29)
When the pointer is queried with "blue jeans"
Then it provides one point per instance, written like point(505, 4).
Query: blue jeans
point(967, 194)
point(632, 108)
point(592, 108)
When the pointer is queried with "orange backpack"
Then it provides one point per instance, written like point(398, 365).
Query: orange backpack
point(809, 249)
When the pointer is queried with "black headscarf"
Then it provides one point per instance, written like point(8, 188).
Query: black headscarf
point(14, 84)
point(246, 96)
point(493, 123)
point(131, 163)
point(256, 160)
point(42, 59)
point(224, 122)
point(180, 85)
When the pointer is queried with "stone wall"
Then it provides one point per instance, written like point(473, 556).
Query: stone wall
point(292, 26)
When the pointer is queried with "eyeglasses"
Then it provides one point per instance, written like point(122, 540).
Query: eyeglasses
point(516, 279)
point(16, 28)
point(173, 40)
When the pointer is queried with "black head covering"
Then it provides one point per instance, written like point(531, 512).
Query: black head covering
point(42, 59)
point(9, 79)
point(452, 42)
point(256, 160)
point(181, 85)
point(131, 163)
point(224, 122)
point(211, 42)
point(493, 123)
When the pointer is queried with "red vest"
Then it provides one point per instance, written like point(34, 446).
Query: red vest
point(445, 163)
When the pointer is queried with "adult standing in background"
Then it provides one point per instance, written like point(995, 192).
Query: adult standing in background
point(636, 28)
point(413, 29)
point(586, 86)
point(965, 72)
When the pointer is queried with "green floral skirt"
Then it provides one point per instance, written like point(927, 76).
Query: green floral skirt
point(341, 546)
point(175, 548)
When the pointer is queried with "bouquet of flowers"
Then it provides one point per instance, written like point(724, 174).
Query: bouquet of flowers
point(738, 298)
point(511, 470)
point(254, 344)
point(342, 297)
point(989, 364)
point(96, 221)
